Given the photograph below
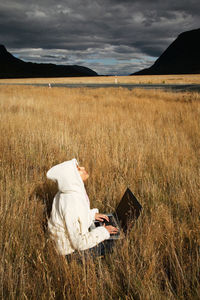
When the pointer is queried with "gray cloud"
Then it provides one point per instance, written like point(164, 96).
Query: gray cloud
point(110, 36)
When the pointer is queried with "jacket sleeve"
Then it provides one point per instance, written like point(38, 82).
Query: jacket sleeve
point(93, 211)
point(80, 238)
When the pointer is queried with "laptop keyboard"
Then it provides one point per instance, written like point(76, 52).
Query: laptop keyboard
point(111, 222)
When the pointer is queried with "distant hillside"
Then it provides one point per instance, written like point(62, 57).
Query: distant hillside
point(181, 57)
point(12, 67)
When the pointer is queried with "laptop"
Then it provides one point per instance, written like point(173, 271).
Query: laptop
point(126, 213)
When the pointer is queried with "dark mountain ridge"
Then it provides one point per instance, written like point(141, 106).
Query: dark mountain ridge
point(12, 67)
point(181, 57)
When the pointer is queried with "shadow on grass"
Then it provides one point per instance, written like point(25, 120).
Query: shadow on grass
point(45, 193)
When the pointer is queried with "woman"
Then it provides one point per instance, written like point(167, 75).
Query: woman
point(71, 223)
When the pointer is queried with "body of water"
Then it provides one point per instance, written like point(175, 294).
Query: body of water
point(169, 87)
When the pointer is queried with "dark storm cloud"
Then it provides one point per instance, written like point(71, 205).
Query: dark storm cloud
point(110, 36)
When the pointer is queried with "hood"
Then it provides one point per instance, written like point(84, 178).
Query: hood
point(67, 177)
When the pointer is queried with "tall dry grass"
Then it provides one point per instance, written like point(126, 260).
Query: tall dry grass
point(147, 140)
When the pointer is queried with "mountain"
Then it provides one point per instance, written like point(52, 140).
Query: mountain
point(181, 57)
point(12, 67)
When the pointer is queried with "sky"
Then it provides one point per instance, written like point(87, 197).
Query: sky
point(112, 37)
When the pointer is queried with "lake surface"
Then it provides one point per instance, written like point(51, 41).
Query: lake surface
point(169, 87)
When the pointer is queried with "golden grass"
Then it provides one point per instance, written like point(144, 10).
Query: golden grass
point(148, 140)
point(142, 79)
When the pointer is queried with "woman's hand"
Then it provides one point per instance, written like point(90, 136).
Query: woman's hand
point(101, 217)
point(111, 229)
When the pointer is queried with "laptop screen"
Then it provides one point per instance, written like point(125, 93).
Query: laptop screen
point(128, 209)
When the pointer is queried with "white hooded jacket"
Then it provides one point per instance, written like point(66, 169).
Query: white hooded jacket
point(71, 216)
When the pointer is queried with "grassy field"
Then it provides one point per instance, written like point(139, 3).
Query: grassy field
point(147, 140)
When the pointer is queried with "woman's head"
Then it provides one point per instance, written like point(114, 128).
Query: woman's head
point(68, 176)
point(83, 173)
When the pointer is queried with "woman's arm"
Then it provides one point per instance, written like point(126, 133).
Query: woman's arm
point(75, 218)
point(93, 213)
